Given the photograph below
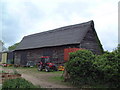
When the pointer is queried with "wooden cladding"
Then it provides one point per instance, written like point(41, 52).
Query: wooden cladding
point(57, 54)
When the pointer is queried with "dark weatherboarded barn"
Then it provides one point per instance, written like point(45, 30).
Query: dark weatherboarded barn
point(53, 42)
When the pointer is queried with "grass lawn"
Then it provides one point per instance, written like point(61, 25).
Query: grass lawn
point(33, 69)
point(0, 86)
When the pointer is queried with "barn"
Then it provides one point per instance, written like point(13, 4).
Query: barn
point(53, 42)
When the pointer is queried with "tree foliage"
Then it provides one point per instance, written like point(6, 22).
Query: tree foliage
point(13, 46)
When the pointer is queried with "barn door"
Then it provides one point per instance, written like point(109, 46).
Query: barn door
point(17, 58)
point(23, 58)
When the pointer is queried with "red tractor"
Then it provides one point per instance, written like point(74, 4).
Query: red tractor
point(45, 63)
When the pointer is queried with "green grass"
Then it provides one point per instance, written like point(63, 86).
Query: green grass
point(3, 71)
point(24, 69)
point(55, 72)
point(31, 69)
point(17, 83)
point(0, 86)
point(10, 67)
point(56, 78)
point(59, 79)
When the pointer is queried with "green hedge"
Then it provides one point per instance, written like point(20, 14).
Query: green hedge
point(17, 83)
point(80, 66)
point(86, 68)
point(108, 67)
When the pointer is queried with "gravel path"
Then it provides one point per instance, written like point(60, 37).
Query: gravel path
point(43, 83)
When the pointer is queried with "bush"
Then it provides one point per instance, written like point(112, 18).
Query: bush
point(108, 66)
point(86, 68)
point(80, 67)
point(17, 83)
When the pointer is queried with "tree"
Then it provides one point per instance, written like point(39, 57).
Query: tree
point(13, 46)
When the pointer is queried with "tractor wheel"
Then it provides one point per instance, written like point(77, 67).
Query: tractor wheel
point(40, 68)
point(47, 69)
point(55, 69)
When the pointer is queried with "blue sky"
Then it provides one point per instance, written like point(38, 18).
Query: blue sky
point(19, 18)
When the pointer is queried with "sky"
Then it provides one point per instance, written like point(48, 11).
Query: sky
point(19, 18)
point(119, 22)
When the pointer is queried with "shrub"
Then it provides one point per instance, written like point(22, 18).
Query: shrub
point(86, 68)
point(80, 67)
point(108, 66)
point(17, 83)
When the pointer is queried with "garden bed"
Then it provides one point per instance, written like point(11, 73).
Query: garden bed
point(6, 76)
